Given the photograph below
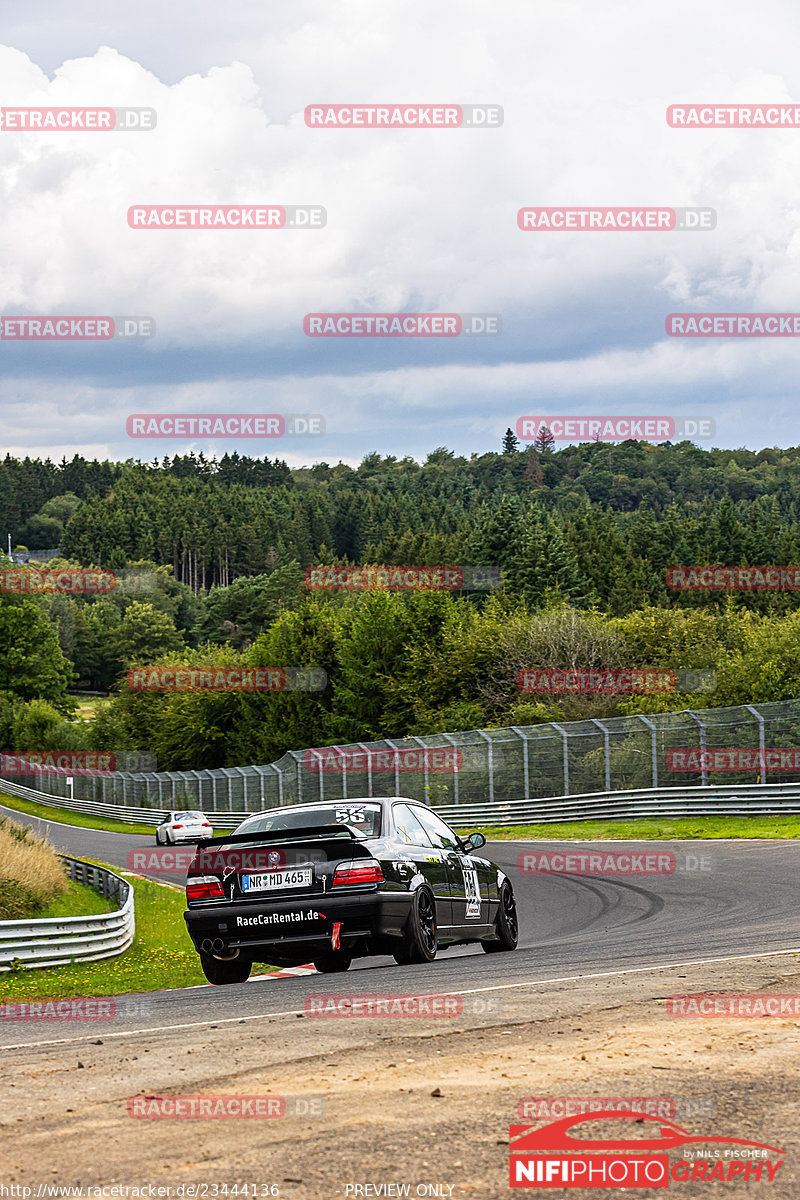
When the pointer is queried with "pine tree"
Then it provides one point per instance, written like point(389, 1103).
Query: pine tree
point(544, 441)
point(510, 442)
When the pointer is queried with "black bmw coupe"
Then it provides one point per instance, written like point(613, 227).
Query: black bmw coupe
point(335, 881)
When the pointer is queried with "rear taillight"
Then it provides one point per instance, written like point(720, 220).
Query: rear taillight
point(359, 870)
point(204, 887)
point(177, 827)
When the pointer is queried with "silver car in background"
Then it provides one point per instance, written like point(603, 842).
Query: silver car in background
point(183, 827)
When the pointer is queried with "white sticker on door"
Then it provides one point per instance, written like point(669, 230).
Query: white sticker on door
point(473, 891)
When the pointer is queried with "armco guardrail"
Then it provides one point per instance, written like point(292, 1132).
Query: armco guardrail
point(54, 941)
point(765, 799)
point(498, 765)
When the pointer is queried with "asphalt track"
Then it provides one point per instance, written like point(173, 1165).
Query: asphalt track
point(727, 899)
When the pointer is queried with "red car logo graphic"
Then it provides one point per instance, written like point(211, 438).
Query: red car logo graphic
point(555, 1136)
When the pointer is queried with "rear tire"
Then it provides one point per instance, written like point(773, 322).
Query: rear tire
point(506, 924)
point(421, 938)
point(329, 964)
point(219, 971)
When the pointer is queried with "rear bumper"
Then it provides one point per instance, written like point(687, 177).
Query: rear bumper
point(301, 927)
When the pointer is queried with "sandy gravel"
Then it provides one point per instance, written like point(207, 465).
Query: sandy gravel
point(408, 1101)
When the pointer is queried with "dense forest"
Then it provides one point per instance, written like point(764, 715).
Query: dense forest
point(210, 557)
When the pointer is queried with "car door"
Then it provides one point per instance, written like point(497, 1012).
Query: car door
point(430, 860)
point(468, 892)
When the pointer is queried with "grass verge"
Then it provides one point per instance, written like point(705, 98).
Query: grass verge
point(162, 956)
point(64, 816)
point(647, 829)
point(77, 901)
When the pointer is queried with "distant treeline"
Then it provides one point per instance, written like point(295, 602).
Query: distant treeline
point(595, 524)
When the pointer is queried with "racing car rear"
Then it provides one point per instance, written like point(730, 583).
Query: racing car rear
point(284, 897)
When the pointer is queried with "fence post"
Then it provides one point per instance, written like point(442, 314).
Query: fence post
point(606, 751)
point(525, 771)
point(363, 746)
point(344, 771)
point(564, 735)
point(396, 765)
point(761, 740)
point(653, 748)
point(703, 768)
point(489, 762)
point(454, 744)
point(425, 763)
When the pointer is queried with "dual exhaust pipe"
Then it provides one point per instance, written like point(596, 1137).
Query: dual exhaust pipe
point(212, 947)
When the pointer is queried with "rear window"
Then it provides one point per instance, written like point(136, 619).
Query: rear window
point(365, 818)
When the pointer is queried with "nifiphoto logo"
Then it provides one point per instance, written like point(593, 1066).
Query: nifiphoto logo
point(561, 1155)
point(403, 116)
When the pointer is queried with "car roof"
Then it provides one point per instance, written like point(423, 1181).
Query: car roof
point(381, 800)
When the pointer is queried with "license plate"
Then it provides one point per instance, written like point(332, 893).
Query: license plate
point(273, 881)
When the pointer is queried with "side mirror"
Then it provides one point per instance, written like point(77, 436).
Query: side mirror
point(474, 842)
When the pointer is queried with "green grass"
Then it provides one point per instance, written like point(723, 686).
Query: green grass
point(65, 816)
point(648, 829)
point(162, 956)
point(77, 901)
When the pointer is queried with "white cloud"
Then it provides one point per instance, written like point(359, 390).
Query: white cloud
point(416, 219)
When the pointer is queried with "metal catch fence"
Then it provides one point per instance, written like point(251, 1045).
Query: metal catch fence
point(479, 766)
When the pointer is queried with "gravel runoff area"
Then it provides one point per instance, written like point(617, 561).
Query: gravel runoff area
point(424, 1102)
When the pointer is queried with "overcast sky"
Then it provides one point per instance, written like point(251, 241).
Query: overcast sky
point(417, 220)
